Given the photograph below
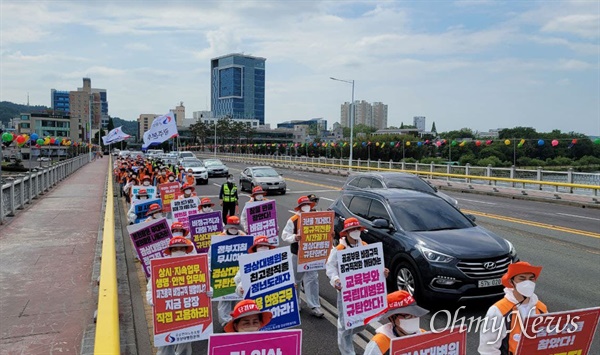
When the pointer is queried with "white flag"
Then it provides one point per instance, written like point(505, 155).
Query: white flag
point(114, 136)
point(163, 128)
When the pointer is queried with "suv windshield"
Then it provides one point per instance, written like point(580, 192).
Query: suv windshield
point(412, 183)
point(186, 155)
point(267, 172)
point(427, 215)
point(212, 162)
point(192, 164)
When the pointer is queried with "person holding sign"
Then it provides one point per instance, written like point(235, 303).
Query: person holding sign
point(154, 212)
point(403, 315)
point(258, 194)
point(146, 180)
point(261, 243)
point(246, 317)
point(349, 238)
point(171, 177)
point(178, 246)
point(519, 302)
point(131, 215)
point(310, 279)
point(187, 191)
point(233, 227)
point(205, 205)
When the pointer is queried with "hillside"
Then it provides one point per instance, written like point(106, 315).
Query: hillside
point(129, 127)
point(10, 110)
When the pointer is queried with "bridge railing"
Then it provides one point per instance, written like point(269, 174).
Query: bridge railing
point(527, 179)
point(16, 194)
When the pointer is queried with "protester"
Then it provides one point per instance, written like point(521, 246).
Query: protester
point(146, 180)
point(519, 301)
point(310, 279)
point(258, 194)
point(246, 317)
point(178, 246)
point(141, 196)
point(188, 191)
point(261, 243)
point(189, 177)
point(349, 238)
point(205, 205)
point(229, 198)
point(403, 315)
point(154, 212)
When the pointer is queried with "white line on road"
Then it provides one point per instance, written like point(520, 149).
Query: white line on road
point(574, 215)
point(328, 199)
point(475, 201)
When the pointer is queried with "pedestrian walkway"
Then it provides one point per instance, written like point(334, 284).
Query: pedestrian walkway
point(46, 260)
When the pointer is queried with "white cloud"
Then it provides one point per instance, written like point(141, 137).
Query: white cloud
point(137, 46)
point(584, 25)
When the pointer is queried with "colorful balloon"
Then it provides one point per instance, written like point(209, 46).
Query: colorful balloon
point(34, 137)
point(554, 142)
point(488, 142)
point(408, 143)
point(574, 141)
point(507, 141)
point(419, 144)
point(454, 143)
point(541, 142)
point(40, 141)
point(21, 139)
point(478, 143)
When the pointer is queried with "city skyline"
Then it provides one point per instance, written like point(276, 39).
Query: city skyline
point(478, 64)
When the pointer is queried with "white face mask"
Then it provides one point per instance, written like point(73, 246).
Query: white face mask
point(146, 183)
point(143, 197)
point(178, 253)
point(355, 235)
point(232, 231)
point(305, 208)
point(258, 197)
point(408, 326)
point(177, 234)
point(157, 216)
point(229, 180)
point(171, 178)
point(526, 288)
point(262, 248)
point(187, 192)
point(206, 209)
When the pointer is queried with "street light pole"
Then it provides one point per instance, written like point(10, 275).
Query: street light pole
point(351, 120)
point(215, 138)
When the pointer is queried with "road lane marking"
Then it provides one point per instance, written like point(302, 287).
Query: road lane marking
point(574, 215)
point(475, 201)
point(327, 199)
point(493, 216)
point(534, 224)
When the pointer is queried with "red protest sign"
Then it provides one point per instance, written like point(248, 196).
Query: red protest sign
point(182, 311)
point(560, 333)
point(168, 192)
point(451, 341)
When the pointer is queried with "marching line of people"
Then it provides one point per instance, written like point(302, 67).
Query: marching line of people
point(402, 315)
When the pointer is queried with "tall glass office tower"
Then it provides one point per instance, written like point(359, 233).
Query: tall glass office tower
point(238, 86)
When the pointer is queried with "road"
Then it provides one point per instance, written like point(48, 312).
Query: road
point(563, 239)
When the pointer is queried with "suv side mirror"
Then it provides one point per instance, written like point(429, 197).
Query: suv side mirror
point(471, 217)
point(381, 223)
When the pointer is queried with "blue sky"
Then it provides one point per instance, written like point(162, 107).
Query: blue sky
point(480, 64)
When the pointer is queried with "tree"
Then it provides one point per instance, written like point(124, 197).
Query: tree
point(433, 129)
point(201, 131)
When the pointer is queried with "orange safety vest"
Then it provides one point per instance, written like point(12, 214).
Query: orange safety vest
point(506, 307)
point(384, 343)
point(190, 180)
point(342, 247)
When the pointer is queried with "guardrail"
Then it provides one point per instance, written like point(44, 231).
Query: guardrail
point(16, 194)
point(553, 181)
point(107, 339)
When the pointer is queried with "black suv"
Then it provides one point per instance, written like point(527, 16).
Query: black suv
point(432, 249)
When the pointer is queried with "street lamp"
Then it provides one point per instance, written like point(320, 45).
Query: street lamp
point(89, 128)
point(351, 120)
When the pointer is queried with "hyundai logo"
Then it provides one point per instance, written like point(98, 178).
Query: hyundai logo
point(490, 265)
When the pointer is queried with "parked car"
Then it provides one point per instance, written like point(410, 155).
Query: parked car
point(216, 167)
point(194, 159)
point(198, 170)
point(265, 176)
point(389, 180)
point(185, 154)
point(432, 250)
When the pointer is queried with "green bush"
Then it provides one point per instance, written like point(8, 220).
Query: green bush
point(432, 160)
point(588, 160)
point(468, 158)
point(410, 160)
point(493, 161)
point(559, 161)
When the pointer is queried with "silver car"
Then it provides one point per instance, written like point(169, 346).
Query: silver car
point(389, 180)
point(198, 170)
point(264, 176)
point(216, 167)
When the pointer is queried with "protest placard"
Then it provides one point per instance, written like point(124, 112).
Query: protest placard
point(225, 251)
point(282, 342)
point(262, 220)
point(184, 208)
point(135, 190)
point(364, 291)
point(559, 333)
point(182, 310)
point(268, 279)
point(450, 342)
point(168, 192)
point(150, 240)
point(202, 227)
point(316, 235)
point(141, 207)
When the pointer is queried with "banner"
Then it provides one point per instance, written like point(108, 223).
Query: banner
point(114, 136)
point(225, 251)
point(560, 333)
point(168, 192)
point(316, 231)
point(202, 227)
point(282, 342)
point(182, 311)
point(141, 207)
point(364, 292)
point(150, 239)
point(262, 220)
point(135, 190)
point(184, 208)
point(268, 279)
point(162, 128)
point(449, 341)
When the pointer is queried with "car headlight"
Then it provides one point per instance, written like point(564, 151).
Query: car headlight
point(435, 256)
point(511, 249)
